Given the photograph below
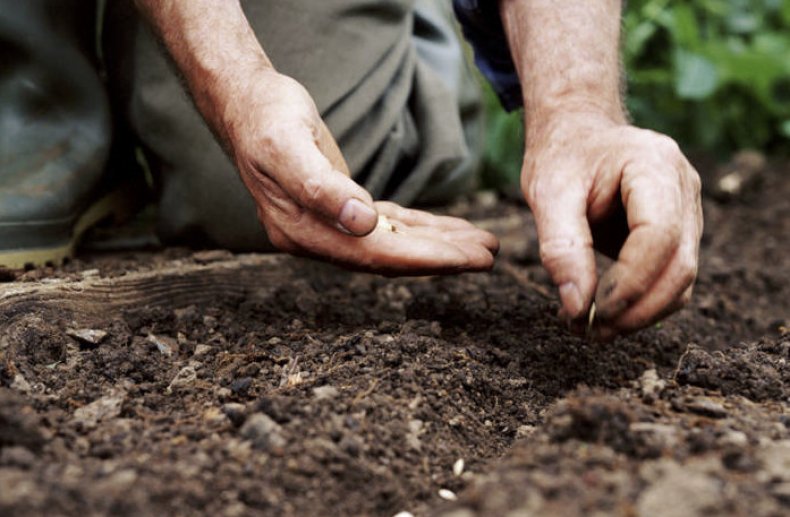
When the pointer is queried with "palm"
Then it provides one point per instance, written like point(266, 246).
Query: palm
point(411, 242)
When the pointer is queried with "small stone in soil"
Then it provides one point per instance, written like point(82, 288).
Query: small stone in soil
point(164, 345)
point(104, 408)
point(185, 377)
point(263, 432)
point(202, 350)
point(17, 456)
point(706, 407)
point(325, 392)
point(351, 445)
point(19, 423)
point(524, 431)
point(651, 385)
point(782, 492)
point(241, 386)
point(91, 337)
point(20, 384)
point(223, 393)
point(235, 412)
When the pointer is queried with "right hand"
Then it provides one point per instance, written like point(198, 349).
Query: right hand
point(634, 188)
point(310, 206)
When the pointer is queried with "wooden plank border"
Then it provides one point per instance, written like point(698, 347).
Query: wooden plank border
point(175, 284)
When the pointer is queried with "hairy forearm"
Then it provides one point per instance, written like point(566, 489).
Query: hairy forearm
point(213, 46)
point(567, 56)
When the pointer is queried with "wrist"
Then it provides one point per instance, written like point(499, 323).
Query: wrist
point(562, 126)
point(214, 48)
point(221, 94)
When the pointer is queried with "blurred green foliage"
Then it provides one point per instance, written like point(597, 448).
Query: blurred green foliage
point(504, 142)
point(713, 74)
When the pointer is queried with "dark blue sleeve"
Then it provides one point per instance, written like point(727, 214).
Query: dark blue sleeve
point(482, 27)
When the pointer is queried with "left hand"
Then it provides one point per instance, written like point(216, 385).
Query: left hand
point(583, 175)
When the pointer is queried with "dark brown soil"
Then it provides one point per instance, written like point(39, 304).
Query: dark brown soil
point(349, 394)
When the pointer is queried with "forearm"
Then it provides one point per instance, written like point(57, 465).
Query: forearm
point(212, 45)
point(567, 57)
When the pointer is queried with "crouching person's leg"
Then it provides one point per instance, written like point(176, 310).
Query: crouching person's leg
point(447, 109)
point(395, 117)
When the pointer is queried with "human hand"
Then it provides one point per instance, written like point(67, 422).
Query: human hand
point(310, 206)
point(582, 172)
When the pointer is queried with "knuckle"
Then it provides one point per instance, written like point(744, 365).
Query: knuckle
point(275, 148)
point(666, 146)
point(668, 151)
point(271, 139)
point(278, 142)
point(312, 191)
point(541, 190)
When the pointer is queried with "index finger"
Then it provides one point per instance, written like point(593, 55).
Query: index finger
point(653, 201)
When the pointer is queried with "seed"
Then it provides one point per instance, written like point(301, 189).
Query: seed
point(384, 224)
point(591, 319)
point(458, 467)
point(447, 495)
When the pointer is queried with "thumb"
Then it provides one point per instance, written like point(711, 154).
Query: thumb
point(566, 244)
point(323, 186)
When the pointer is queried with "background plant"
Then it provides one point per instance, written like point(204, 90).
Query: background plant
point(714, 74)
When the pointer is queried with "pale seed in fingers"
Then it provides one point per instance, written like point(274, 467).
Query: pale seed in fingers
point(384, 224)
point(591, 320)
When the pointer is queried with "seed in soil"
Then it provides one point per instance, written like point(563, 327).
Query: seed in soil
point(447, 495)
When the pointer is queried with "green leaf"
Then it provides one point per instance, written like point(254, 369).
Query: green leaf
point(774, 43)
point(696, 77)
point(743, 22)
point(784, 128)
point(685, 28)
point(637, 37)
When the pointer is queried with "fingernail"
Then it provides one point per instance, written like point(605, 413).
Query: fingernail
point(571, 299)
point(608, 301)
point(357, 217)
